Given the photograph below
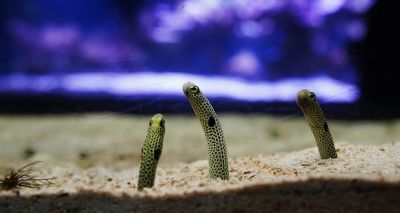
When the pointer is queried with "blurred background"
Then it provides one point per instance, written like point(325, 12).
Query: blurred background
point(246, 55)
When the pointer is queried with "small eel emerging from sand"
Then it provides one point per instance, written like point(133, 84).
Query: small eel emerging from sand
point(151, 151)
point(307, 101)
point(217, 154)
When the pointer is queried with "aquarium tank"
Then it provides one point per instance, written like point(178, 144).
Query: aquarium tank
point(207, 105)
point(134, 56)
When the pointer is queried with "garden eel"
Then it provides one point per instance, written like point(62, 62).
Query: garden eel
point(151, 151)
point(217, 154)
point(307, 101)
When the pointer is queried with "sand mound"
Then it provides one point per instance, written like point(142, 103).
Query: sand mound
point(363, 179)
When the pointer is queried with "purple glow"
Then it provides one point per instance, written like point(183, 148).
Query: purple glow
point(187, 14)
point(200, 10)
point(359, 6)
point(328, 6)
point(67, 43)
point(260, 40)
point(244, 63)
point(356, 30)
point(45, 38)
point(164, 35)
point(268, 26)
point(150, 83)
point(98, 49)
point(251, 29)
point(59, 37)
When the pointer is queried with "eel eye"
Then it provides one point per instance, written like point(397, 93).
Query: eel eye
point(311, 95)
point(194, 89)
point(150, 123)
point(162, 123)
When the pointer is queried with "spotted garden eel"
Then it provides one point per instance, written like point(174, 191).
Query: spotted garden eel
point(217, 154)
point(307, 101)
point(151, 151)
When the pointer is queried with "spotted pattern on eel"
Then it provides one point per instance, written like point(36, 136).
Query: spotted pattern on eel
point(151, 151)
point(217, 154)
point(307, 101)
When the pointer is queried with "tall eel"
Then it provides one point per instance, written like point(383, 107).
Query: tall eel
point(307, 101)
point(217, 154)
point(151, 151)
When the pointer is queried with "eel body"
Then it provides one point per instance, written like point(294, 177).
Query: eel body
point(151, 151)
point(217, 154)
point(307, 101)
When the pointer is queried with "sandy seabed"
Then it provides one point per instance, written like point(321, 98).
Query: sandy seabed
point(95, 160)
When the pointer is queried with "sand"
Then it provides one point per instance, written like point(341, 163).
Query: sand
point(115, 140)
point(364, 178)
